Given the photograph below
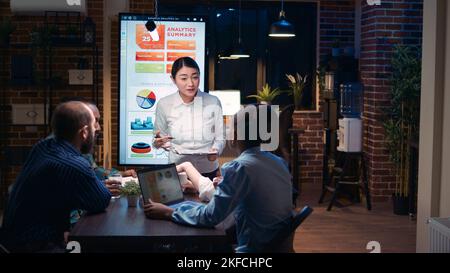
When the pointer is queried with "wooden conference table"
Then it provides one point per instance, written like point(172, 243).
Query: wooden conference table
point(124, 229)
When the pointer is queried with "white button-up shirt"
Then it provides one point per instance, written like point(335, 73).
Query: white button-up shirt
point(196, 128)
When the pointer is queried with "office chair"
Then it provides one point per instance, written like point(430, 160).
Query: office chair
point(284, 147)
point(283, 240)
point(3, 249)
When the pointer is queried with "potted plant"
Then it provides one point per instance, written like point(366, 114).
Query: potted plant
point(336, 48)
point(320, 74)
point(266, 95)
point(402, 123)
point(132, 191)
point(297, 84)
point(6, 28)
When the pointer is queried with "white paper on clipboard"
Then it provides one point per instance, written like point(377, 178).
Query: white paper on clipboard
point(184, 152)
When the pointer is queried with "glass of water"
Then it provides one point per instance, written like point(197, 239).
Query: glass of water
point(116, 177)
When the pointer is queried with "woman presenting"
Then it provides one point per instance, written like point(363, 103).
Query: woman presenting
point(189, 123)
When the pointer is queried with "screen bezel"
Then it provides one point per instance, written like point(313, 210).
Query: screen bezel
point(142, 17)
point(154, 168)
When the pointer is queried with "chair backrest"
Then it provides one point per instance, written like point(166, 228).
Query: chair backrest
point(283, 240)
point(3, 249)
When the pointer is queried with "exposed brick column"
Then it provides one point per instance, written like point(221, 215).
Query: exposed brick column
point(337, 21)
point(394, 22)
point(136, 6)
point(310, 145)
point(95, 11)
point(141, 6)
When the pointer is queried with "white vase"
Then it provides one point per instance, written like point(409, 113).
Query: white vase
point(132, 200)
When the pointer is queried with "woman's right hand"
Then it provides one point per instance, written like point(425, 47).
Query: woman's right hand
point(161, 141)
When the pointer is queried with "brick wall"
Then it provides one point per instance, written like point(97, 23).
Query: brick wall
point(382, 26)
point(62, 60)
point(310, 145)
point(394, 22)
point(136, 6)
point(142, 6)
point(337, 21)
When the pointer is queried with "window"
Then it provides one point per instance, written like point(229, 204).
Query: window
point(270, 59)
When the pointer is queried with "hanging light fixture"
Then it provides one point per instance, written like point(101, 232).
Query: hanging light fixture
point(282, 28)
point(239, 52)
point(151, 25)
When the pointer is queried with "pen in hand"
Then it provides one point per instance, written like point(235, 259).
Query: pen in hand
point(159, 141)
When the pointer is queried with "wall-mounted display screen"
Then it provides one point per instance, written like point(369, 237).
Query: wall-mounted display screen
point(145, 64)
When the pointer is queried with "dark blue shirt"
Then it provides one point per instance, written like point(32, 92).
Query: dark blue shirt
point(257, 188)
point(55, 180)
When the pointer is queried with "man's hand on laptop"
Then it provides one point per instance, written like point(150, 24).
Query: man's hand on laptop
point(157, 211)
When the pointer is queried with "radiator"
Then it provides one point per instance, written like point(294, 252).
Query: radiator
point(439, 232)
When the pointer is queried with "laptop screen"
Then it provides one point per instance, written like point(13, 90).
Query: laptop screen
point(160, 183)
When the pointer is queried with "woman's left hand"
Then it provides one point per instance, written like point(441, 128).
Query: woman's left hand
point(188, 187)
point(213, 157)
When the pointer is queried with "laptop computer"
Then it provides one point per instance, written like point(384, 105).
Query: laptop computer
point(160, 183)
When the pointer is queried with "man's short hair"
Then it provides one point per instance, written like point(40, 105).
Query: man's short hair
point(249, 120)
point(68, 118)
point(77, 98)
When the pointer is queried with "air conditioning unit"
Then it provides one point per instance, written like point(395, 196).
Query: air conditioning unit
point(30, 7)
point(350, 135)
point(439, 232)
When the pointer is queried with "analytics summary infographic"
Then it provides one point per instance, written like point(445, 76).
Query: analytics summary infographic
point(145, 64)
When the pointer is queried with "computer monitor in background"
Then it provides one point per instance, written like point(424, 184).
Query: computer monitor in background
point(230, 100)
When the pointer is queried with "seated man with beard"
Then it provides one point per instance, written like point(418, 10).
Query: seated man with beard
point(101, 172)
point(55, 180)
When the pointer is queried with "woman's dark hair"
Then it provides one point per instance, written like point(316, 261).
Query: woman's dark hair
point(181, 62)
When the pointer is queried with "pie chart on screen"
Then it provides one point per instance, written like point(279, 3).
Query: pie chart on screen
point(146, 99)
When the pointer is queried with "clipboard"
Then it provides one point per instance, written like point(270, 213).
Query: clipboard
point(193, 153)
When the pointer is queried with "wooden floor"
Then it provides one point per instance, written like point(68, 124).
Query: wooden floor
point(349, 228)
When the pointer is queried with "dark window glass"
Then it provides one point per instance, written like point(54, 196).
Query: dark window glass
point(274, 57)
